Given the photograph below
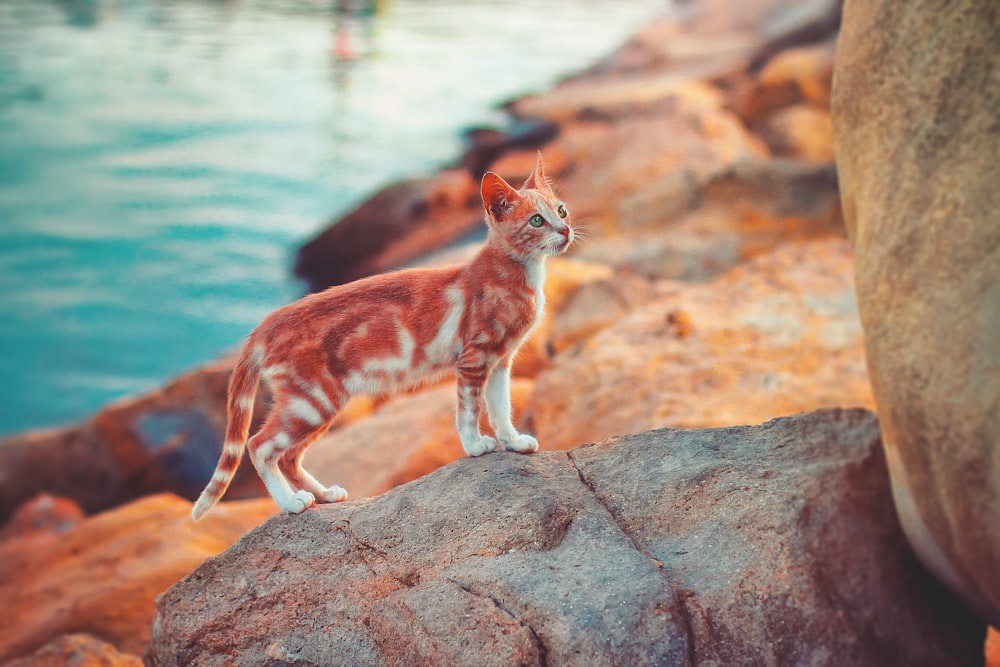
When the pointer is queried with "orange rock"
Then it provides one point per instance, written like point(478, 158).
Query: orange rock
point(993, 648)
point(563, 277)
point(77, 650)
point(42, 514)
point(777, 336)
point(696, 228)
point(797, 76)
point(100, 577)
point(403, 439)
point(800, 131)
point(595, 306)
point(357, 408)
point(516, 166)
point(683, 142)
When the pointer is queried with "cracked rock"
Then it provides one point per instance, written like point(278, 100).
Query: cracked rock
point(770, 544)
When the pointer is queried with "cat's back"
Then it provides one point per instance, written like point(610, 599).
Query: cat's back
point(378, 297)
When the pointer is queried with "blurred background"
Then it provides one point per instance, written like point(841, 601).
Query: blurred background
point(161, 161)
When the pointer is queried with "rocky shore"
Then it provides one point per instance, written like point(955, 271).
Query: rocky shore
point(714, 289)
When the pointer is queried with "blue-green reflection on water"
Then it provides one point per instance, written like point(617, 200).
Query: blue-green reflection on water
point(160, 161)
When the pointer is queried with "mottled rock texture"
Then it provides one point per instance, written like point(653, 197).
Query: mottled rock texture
point(915, 109)
point(772, 544)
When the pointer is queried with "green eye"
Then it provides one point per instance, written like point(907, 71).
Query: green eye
point(562, 211)
point(536, 220)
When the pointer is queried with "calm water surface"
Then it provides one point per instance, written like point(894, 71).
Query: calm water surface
point(161, 161)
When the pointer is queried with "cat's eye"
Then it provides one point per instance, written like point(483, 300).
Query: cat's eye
point(536, 220)
point(562, 211)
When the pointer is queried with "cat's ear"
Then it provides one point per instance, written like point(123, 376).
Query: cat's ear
point(537, 180)
point(498, 196)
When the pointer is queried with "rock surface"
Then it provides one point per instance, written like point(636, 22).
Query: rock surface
point(100, 576)
point(398, 224)
point(778, 335)
point(918, 139)
point(165, 441)
point(774, 544)
point(42, 514)
point(77, 650)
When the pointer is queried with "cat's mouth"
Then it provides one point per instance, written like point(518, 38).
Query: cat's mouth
point(566, 241)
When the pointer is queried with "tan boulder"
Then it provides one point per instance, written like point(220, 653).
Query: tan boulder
point(777, 336)
point(915, 104)
point(100, 576)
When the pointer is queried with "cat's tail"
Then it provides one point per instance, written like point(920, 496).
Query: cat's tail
point(239, 408)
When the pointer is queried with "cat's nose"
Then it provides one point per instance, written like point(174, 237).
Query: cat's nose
point(567, 234)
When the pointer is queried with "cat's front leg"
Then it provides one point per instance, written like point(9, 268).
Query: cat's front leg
point(499, 409)
point(471, 378)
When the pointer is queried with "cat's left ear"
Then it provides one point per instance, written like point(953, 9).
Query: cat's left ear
point(537, 180)
point(498, 196)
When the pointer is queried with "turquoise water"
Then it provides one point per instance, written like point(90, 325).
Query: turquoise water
point(161, 161)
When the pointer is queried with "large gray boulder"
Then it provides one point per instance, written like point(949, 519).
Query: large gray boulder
point(916, 111)
point(762, 545)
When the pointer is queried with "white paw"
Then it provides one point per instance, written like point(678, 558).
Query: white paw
point(522, 443)
point(300, 502)
point(335, 494)
point(481, 446)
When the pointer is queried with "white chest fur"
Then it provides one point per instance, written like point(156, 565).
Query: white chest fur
point(536, 280)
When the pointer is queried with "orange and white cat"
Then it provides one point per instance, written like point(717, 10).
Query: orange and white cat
point(394, 331)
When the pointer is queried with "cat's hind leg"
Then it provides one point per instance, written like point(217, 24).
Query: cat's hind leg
point(266, 448)
point(308, 417)
point(264, 453)
point(291, 465)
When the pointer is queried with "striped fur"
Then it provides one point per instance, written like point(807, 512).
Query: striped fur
point(391, 332)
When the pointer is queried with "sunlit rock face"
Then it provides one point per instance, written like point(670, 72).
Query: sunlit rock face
point(776, 336)
point(916, 93)
point(99, 575)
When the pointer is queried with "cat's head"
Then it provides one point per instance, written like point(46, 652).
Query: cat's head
point(531, 221)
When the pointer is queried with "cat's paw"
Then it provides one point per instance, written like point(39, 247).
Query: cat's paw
point(483, 445)
point(335, 494)
point(525, 444)
point(300, 502)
